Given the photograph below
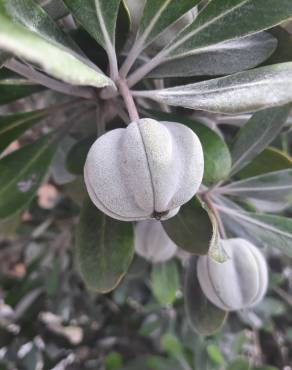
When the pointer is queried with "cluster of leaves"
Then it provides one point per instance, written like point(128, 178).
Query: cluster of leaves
point(71, 55)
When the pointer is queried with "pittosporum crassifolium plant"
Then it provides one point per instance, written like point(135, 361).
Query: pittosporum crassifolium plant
point(178, 114)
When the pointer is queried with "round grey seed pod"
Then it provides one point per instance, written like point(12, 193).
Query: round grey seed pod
point(147, 170)
point(238, 283)
point(152, 242)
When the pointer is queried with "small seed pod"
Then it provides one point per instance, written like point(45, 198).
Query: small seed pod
point(238, 283)
point(152, 242)
point(147, 170)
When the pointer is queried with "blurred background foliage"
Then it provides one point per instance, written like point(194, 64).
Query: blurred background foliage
point(49, 320)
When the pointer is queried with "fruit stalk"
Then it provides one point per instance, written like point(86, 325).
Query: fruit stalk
point(128, 99)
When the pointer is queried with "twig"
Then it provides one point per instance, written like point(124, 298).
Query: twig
point(131, 58)
point(141, 72)
point(207, 198)
point(40, 78)
point(128, 99)
point(53, 109)
point(284, 295)
point(109, 46)
point(113, 63)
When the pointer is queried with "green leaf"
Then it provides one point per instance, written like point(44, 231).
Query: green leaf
point(151, 362)
point(221, 59)
point(3, 58)
point(44, 45)
point(204, 317)
point(75, 190)
point(98, 17)
point(270, 160)
point(239, 364)
point(283, 52)
point(14, 125)
point(264, 230)
point(171, 344)
point(272, 186)
point(104, 248)
point(242, 364)
point(32, 358)
point(55, 8)
point(215, 354)
point(223, 20)
point(217, 158)
point(113, 361)
point(9, 226)
point(77, 155)
point(12, 89)
point(242, 92)
point(92, 50)
point(160, 14)
point(191, 229)
point(257, 134)
point(59, 172)
point(165, 282)
point(123, 26)
point(22, 172)
point(270, 307)
point(30, 15)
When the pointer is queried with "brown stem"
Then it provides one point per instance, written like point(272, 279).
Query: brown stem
point(53, 109)
point(128, 99)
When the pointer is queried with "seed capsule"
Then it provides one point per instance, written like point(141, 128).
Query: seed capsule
point(238, 283)
point(147, 170)
point(152, 242)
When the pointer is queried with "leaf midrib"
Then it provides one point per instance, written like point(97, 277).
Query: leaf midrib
point(175, 90)
point(104, 30)
point(20, 122)
point(259, 189)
